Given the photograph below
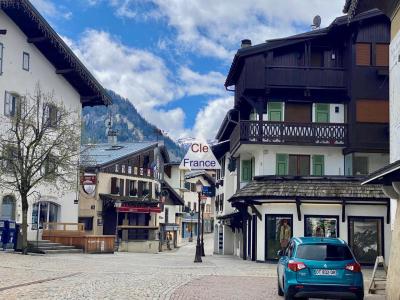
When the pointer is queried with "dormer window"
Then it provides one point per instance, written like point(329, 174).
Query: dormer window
point(25, 61)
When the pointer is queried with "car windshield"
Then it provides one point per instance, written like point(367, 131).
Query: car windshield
point(324, 252)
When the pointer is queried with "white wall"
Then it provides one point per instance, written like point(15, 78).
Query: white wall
point(376, 161)
point(394, 96)
point(15, 79)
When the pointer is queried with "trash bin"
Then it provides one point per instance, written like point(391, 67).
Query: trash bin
point(11, 234)
point(2, 232)
point(17, 241)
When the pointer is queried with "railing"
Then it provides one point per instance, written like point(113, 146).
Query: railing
point(305, 76)
point(332, 134)
point(64, 228)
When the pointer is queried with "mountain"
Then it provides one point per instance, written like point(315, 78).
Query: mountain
point(131, 126)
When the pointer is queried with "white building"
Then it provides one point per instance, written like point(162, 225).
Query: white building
point(32, 53)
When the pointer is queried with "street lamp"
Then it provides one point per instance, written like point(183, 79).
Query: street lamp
point(199, 189)
point(191, 226)
point(117, 205)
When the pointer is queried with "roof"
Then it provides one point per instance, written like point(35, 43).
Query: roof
point(229, 216)
point(309, 188)
point(100, 154)
point(220, 149)
point(277, 43)
point(174, 196)
point(354, 7)
point(56, 51)
point(198, 173)
point(319, 240)
point(380, 175)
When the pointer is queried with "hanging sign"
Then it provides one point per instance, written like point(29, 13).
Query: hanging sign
point(199, 157)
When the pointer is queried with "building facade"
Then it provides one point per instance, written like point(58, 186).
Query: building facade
point(310, 120)
point(123, 193)
point(32, 54)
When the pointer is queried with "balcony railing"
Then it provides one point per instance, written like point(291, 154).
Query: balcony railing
point(265, 132)
point(305, 76)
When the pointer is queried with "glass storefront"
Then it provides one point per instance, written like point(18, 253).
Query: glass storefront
point(366, 238)
point(44, 212)
point(279, 230)
point(321, 226)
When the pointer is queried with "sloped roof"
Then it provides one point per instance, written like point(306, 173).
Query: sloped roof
point(379, 176)
point(309, 188)
point(56, 51)
point(100, 154)
point(174, 196)
point(198, 173)
point(276, 43)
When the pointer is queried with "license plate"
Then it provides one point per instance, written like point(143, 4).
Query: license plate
point(324, 272)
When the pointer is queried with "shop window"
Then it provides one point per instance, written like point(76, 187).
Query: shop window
point(44, 212)
point(322, 226)
point(363, 54)
point(360, 165)
point(278, 230)
point(366, 238)
point(382, 55)
point(372, 111)
point(8, 208)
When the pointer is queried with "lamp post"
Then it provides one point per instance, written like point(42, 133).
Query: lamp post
point(117, 205)
point(199, 189)
point(191, 226)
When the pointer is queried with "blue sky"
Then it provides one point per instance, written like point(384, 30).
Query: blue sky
point(170, 57)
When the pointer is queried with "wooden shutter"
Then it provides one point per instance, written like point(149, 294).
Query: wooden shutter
point(282, 164)
point(275, 111)
point(322, 113)
point(121, 187)
point(246, 170)
point(372, 111)
point(298, 112)
point(382, 55)
point(363, 54)
point(114, 185)
point(318, 162)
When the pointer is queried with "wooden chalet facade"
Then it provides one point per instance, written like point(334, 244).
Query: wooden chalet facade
point(310, 111)
point(123, 192)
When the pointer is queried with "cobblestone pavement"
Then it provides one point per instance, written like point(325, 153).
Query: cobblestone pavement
point(167, 275)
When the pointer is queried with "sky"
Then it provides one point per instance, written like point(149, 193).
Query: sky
point(170, 58)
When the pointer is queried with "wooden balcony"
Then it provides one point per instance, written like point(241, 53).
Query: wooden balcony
point(305, 77)
point(265, 132)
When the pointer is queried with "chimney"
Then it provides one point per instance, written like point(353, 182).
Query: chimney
point(112, 137)
point(245, 43)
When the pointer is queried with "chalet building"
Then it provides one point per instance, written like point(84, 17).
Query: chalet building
point(123, 193)
point(31, 52)
point(310, 120)
point(389, 176)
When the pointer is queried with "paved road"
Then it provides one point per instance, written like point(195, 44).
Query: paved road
point(168, 275)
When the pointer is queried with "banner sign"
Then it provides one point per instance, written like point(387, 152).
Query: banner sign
point(199, 157)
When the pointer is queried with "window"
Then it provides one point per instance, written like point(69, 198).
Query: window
point(275, 111)
point(189, 204)
point(50, 166)
point(166, 215)
point(372, 111)
point(318, 165)
point(9, 155)
point(382, 55)
point(129, 169)
point(43, 212)
point(8, 208)
point(246, 174)
point(87, 221)
point(194, 206)
point(360, 165)
point(322, 252)
point(299, 165)
point(278, 231)
point(363, 54)
point(321, 226)
point(25, 61)
point(51, 114)
point(322, 112)
point(116, 168)
point(12, 104)
point(132, 188)
point(281, 164)
point(123, 168)
point(1, 58)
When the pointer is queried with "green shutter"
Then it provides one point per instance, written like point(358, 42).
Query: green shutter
point(282, 164)
point(322, 113)
point(275, 111)
point(318, 165)
point(246, 170)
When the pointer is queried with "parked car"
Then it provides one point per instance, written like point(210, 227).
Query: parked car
point(313, 267)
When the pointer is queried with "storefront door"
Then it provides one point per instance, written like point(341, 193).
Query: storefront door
point(278, 231)
point(366, 238)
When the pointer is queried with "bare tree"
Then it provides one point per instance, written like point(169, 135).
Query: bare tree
point(39, 147)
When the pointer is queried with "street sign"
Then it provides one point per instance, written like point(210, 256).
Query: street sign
point(209, 191)
point(199, 157)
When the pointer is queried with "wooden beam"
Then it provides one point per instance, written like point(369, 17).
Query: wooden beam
point(38, 39)
point(256, 211)
point(343, 211)
point(64, 71)
point(298, 203)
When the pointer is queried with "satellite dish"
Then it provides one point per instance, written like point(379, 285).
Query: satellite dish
point(317, 21)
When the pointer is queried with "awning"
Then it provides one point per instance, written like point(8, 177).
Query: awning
point(138, 209)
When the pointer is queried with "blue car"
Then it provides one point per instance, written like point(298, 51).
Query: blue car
point(313, 267)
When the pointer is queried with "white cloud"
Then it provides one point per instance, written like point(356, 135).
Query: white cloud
point(195, 83)
point(50, 10)
point(209, 119)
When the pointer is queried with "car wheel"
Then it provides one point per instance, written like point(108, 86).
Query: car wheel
point(288, 297)
point(280, 291)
